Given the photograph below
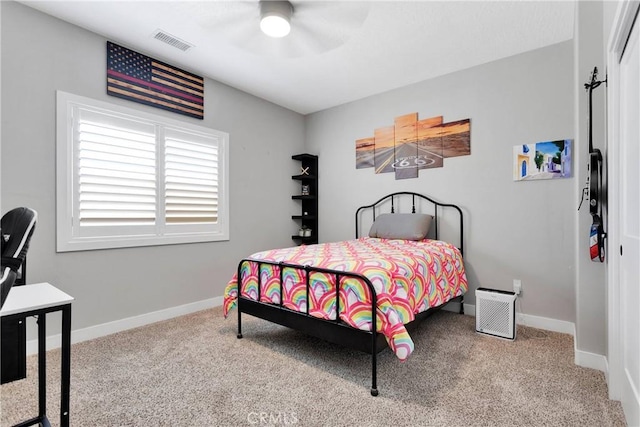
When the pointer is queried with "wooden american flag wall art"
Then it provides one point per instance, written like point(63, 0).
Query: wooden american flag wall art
point(139, 78)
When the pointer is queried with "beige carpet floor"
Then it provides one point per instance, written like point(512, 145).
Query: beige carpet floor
point(193, 371)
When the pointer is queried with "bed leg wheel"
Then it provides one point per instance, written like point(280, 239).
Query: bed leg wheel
point(374, 392)
point(239, 336)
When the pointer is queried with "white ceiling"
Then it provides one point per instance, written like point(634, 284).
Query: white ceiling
point(337, 52)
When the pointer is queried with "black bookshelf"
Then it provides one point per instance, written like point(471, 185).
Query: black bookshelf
point(308, 197)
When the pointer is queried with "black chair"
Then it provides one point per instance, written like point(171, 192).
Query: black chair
point(17, 227)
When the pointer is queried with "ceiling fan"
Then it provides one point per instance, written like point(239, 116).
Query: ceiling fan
point(315, 26)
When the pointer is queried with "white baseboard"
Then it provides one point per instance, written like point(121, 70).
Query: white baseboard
point(590, 360)
point(92, 332)
point(582, 358)
point(545, 323)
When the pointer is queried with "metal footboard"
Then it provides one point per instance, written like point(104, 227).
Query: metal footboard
point(330, 330)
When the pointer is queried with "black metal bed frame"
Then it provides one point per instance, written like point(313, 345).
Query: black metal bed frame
point(413, 210)
point(336, 331)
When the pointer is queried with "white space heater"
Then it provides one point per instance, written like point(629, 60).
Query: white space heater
point(496, 313)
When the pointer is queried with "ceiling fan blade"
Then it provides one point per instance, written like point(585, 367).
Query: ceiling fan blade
point(227, 18)
point(316, 26)
point(320, 26)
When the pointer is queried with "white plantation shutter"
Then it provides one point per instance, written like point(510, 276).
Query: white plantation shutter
point(116, 171)
point(191, 178)
point(128, 178)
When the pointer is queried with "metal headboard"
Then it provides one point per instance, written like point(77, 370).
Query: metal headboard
point(394, 196)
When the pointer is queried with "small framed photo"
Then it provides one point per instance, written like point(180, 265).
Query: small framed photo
point(305, 190)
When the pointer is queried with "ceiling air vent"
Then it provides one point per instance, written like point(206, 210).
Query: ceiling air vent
point(171, 40)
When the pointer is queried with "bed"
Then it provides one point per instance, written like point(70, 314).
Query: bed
point(400, 270)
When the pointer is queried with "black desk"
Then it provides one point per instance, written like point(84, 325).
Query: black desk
point(38, 300)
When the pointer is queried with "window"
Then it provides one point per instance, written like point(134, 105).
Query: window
point(127, 178)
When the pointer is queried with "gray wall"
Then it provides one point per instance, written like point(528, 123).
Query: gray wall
point(41, 54)
point(522, 230)
point(525, 230)
point(593, 23)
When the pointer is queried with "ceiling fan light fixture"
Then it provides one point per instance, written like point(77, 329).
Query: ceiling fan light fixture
point(275, 18)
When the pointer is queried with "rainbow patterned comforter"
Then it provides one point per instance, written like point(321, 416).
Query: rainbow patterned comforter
point(408, 276)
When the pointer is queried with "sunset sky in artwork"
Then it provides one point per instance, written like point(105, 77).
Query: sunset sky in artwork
point(405, 128)
point(411, 144)
point(424, 126)
point(385, 137)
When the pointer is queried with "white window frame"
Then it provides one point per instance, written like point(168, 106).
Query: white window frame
point(69, 237)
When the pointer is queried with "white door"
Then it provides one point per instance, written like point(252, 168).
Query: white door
point(629, 208)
